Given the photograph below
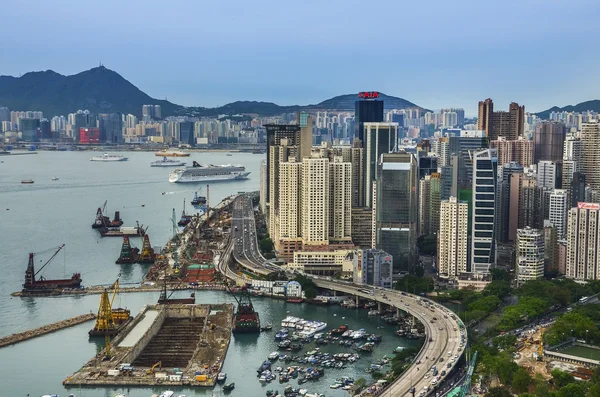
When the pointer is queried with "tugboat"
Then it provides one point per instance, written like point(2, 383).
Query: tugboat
point(147, 255)
point(185, 218)
point(198, 200)
point(43, 286)
point(245, 319)
point(128, 255)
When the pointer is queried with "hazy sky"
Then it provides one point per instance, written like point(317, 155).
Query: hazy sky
point(434, 53)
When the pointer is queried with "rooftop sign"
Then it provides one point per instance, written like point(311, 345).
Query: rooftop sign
point(368, 94)
point(588, 206)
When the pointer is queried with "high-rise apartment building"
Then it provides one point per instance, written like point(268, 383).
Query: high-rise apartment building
point(4, 114)
point(519, 150)
point(590, 153)
point(530, 254)
point(396, 207)
point(549, 174)
point(507, 201)
point(452, 238)
point(583, 242)
point(483, 249)
point(379, 138)
point(340, 200)
point(366, 111)
point(559, 205)
point(354, 155)
point(510, 125)
point(572, 148)
point(550, 248)
point(549, 141)
point(429, 204)
point(263, 187)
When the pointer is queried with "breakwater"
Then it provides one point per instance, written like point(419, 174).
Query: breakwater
point(45, 329)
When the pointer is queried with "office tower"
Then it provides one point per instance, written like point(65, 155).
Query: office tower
point(373, 267)
point(549, 174)
point(428, 164)
point(559, 205)
point(130, 121)
point(509, 124)
point(366, 111)
point(263, 187)
point(483, 250)
point(362, 227)
point(530, 254)
point(379, 138)
point(583, 242)
point(4, 114)
point(550, 248)
point(449, 179)
point(186, 133)
point(507, 201)
point(30, 129)
point(354, 155)
point(590, 153)
point(429, 204)
point(484, 116)
point(464, 147)
point(45, 129)
point(531, 208)
point(520, 151)
point(111, 127)
point(549, 141)
point(395, 208)
point(452, 238)
point(569, 168)
point(577, 189)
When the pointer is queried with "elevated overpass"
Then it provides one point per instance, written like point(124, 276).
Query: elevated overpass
point(443, 328)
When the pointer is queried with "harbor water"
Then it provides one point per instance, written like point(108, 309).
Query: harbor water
point(41, 216)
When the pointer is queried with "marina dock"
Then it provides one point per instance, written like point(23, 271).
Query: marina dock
point(167, 345)
point(46, 329)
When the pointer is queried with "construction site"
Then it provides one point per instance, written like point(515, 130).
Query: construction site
point(165, 344)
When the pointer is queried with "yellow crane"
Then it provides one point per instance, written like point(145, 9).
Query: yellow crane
point(108, 319)
point(540, 356)
point(151, 370)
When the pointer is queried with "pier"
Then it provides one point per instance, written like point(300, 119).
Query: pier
point(167, 345)
point(46, 329)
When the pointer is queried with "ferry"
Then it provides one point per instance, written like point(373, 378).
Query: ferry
point(108, 157)
point(172, 153)
point(165, 162)
point(210, 172)
point(27, 181)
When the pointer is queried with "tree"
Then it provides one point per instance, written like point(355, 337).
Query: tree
point(594, 390)
point(542, 389)
point(505, 342)
point(498, 392)
point(500, 275)
point(572, 390)
point(266, 244)
point(419, 271)
point(521, 380)
point(562, 378)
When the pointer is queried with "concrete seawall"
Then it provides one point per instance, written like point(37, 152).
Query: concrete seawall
point(46, 329)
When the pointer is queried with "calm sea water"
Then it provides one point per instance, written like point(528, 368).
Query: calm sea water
point(40, 217)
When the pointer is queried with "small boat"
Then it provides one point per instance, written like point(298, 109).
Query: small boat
point(55, 178)
point(27, 181)
point(229, 386)
point(267, 327)
point(167, 393)
point(273, 356)
point(335, 386)
point(108, 157)
point(222, 376)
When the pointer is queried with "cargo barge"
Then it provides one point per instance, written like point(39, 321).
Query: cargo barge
point(245, 319)
point(102, 221)
point(42, 286)
point(135, 231)
point(129, 254)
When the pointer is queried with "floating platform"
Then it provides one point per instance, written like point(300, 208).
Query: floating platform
point(166, 345)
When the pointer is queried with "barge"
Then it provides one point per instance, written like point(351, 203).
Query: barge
point(42, 286)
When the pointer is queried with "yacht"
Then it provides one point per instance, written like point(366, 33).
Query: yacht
point(210, 172)
point(290, 322)
point(108, 157)
point(172, 153)
point(167, 393)
point(222, 376)
point(165, 162)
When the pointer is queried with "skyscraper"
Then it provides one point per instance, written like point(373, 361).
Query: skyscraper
point(186, 133)
point(520, 150)
point(429, 204)
point(530, 254)
point(111, 127)
point(559, 205)
point(379, 138)
point(396, 208)
point(366, 111)
point(510, 125)
point(30, 129)
point(590, 153)
point(483, 250)
point(549, 141)
point(452, 238)
point(484, 116)
point(507, 201)
point(549, 174)
point(583, 242)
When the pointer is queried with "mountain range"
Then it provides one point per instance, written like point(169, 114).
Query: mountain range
point(101, 90)
point(593, 105)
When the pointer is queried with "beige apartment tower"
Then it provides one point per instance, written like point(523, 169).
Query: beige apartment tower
point(452, 238)
point(590, 153)
point(583, 242)
point(530, 254)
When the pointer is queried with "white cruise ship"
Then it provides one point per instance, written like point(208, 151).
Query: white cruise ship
point(108, 157)
point(165, 162)
point(206, 173)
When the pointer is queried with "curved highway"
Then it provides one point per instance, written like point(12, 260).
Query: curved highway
point(445, 333)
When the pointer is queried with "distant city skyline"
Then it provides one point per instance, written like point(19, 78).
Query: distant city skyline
point(199, 54)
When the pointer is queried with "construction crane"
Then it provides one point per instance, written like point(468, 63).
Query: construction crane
point(108, 319)
point(540, 351)
point(151, 370)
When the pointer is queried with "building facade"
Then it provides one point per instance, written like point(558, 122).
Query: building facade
point(583, 242)
point(530, 254)
point(373, 267)
point(452, 238)
point(590, 153)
